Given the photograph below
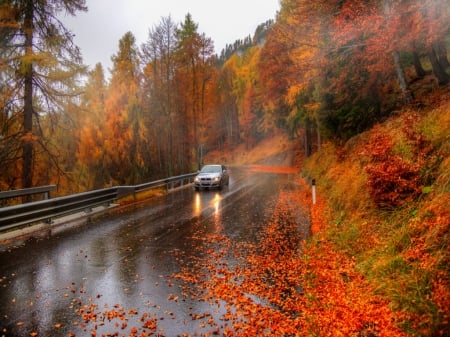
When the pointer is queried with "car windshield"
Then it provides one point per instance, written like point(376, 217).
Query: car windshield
point(211, 169)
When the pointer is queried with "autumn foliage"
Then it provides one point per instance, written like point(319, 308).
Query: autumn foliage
point(402, 244)
point(324, 73)
point(392, 180)
point(322, 70)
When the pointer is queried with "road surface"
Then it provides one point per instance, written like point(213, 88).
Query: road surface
point(83, 281)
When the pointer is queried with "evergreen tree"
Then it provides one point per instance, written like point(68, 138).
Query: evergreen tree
point(39, 64)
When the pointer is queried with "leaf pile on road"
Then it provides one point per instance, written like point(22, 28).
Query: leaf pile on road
point(286, 286)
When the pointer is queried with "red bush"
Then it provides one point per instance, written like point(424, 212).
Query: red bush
point(392, 180)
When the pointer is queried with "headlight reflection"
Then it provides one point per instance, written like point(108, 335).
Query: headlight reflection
point(216, 203)
point(212, 209)
point(197, 205)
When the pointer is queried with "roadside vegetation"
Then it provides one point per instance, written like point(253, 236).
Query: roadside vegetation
point(384, 203)
point(377, 262)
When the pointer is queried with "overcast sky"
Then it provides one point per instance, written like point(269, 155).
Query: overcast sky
point(98, 31)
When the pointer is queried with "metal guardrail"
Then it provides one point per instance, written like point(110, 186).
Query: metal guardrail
point(28, 191)
point(46, 210)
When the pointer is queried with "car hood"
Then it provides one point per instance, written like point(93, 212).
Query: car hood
point(208, 175)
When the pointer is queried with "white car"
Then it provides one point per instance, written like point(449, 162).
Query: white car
point(211, 176)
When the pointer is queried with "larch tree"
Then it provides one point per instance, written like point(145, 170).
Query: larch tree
point(195, 57)
point(38, 71)
point(124, 130)
point(91, 132)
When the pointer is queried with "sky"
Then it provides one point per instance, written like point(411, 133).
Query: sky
point(98, 31)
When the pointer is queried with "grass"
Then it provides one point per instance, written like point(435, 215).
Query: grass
point(403, 252)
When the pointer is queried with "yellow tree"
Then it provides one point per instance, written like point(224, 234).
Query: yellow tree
point(124, 129)
point(246, 92)
point(226, 122)
point(91, 133)
point(292, 66)
point(195, 56)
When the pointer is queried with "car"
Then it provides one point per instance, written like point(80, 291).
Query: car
point(212, 176)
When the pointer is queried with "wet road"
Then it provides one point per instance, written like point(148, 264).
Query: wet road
point(123, 264)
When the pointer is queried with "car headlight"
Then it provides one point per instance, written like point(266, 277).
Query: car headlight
point(197, 179)
point(216, 179)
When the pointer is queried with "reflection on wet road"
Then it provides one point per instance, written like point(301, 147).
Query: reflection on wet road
point(122, 265)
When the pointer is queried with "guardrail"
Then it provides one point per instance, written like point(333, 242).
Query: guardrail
point(45, 190)
point(46, 210)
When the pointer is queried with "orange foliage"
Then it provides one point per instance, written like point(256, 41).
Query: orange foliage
point(283, 285)
point(431, 230)
point(393, 181)
point(340, 301)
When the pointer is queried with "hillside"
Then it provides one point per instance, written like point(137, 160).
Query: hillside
point(383, 216)
point(269, 147)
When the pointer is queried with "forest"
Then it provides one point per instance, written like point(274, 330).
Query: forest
point(360, 88)
point(321, 71)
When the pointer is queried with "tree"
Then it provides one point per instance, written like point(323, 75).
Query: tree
point(39, 63)
point(275, 69)
point(226, 122)
point(195, 56)
point(160, 105)
point(125, 132)
point(292, 66)
point(91, 132)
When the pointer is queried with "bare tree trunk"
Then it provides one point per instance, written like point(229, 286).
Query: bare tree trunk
point(440, 73)
point(420, 72)
point(27, 147)
point(401, 78)
point(319, 138)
